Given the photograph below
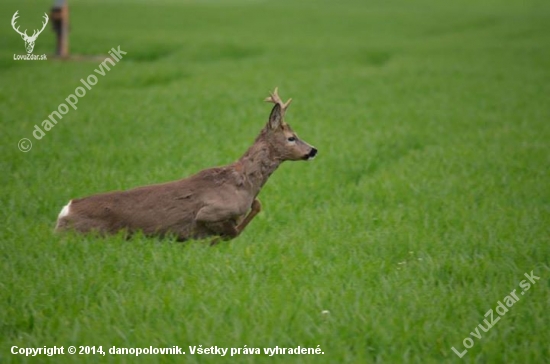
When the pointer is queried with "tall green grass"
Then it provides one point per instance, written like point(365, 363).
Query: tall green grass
point(428, 201)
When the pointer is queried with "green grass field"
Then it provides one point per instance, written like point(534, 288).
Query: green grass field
point(427, 203)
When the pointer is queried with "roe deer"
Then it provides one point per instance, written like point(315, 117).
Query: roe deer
point(213, 202)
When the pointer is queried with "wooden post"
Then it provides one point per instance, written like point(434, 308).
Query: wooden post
point(60, 22)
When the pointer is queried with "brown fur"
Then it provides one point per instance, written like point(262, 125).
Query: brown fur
point(218, 201)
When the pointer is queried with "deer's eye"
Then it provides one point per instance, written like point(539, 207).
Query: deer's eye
point(292, 139)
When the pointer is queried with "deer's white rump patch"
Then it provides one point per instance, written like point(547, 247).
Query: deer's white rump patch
point(65, 210)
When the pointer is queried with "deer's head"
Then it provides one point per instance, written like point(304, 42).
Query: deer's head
point(29, 40)
point(284, 142)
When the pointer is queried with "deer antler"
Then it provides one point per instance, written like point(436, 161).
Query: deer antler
point(35, 34)
point(13, 19)
point(274, 98)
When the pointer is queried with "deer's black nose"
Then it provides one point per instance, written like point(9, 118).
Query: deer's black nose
point(312, 153)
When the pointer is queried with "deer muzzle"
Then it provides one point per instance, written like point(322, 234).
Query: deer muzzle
point(312, 153)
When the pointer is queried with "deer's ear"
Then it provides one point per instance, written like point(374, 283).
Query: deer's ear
point(23, 36)
point(276, 117)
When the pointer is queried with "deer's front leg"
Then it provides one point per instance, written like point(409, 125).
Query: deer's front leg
point(229, 230)
point(255, 210)
point(226, 230)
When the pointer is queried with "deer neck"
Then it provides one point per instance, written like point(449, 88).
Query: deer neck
point(258, 164)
